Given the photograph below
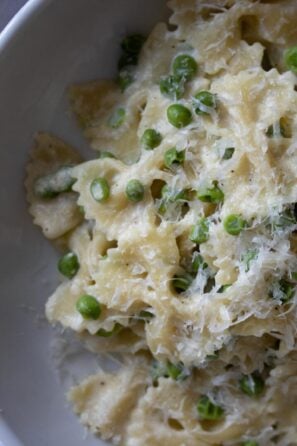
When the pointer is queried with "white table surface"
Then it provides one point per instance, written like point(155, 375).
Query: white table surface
point(8, 8)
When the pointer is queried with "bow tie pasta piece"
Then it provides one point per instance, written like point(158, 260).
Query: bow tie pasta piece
point(215, 41)
point(184, 247)
point(168, 413)
point(109, 119)
point(105, 401)
point(156, 57)
point(111, 215)
point(52, 203)
point(127, 341)
point(138, 271)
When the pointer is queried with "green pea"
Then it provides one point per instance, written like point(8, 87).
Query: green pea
point(185, 66)
point(172, 87)
point(223, 288)
point(290, 57)
point(179, 116)
point(208, 410)
point(229, 151)
point(204, 102)
point(181, 282)
point(100, 189)
point(200, 232)
point(133, 43)
point(51, 185)
point(173, 157)
point(134, 191)
point(125, 78)
point(107, 334)
point(68, 265)
point(252, 385)
point(234, 224)
point(211, 194)
point(210, 284)
point(88, 307)
point(106, 154)
point(198, 263)
point(283, 291)
point(117, 118)
point(250, 443)
point(151, 139)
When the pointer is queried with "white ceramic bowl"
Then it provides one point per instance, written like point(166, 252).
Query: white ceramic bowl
point(48, 45)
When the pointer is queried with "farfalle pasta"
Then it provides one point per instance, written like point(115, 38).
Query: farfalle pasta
point(179, 236)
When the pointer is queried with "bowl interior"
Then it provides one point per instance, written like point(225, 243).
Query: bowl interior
point(51, 44)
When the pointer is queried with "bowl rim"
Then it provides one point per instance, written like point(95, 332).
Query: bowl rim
point(7, 37)
point(8, 437)
point(19, 21)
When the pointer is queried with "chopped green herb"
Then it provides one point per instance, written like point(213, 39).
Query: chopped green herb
point(223, 288)
point(211, 194)
point(229, 151)
point(212, 357)
point(173, 157)
point(81, 210)
point(290, 57)
point(176, 371)
point(210, 284)
point(250, 443)
point(248, 257)
point(127, 60)
point(252, 385)
point(168, 370)
point(125, 78)
point(106, 154)
point(146, 315)
point(283, 220)
point(200, 232)
point(117, 118)
point(169, 196)
point(282, 290)
point(208, 410)
point(278, 129)
point(107, 334)
point(172, 86)
point(133, 43)
point(181, 282)
point(198, 262)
